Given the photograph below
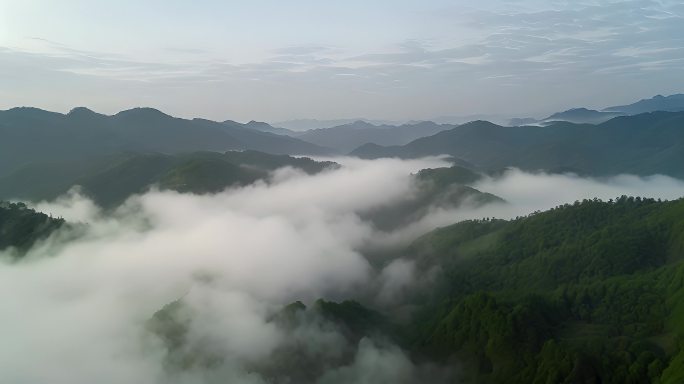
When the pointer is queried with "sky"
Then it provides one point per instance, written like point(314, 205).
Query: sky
point(274, 60)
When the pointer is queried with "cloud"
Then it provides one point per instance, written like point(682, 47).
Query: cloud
point(233, 257)
point(75, 311)
point(482, 57)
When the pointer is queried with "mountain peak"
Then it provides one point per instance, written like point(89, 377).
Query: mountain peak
point(254, 122)
point(359, 124)
point(82, 112)
point(142, 112)
point(32, 112)
point(479, 123)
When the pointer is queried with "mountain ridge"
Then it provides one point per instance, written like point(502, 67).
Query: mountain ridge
point(30, 135)
point(613, 147)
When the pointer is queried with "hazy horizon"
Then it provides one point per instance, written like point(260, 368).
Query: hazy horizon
point(272, 61)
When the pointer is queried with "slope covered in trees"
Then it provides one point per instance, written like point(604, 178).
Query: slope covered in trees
point(438, 188)
point(21, 227)
point(110, 180)
point(589, 292)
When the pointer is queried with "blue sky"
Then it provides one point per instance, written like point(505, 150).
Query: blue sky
point(278, 60)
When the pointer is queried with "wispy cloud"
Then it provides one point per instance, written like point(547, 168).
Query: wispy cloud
point(504, 50)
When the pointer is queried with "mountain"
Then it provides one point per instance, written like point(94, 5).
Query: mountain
point(21, 227)
point(642, 144)
point(112, 179)
point(672, 103)
point(29, 135)
point(582, 116)
point(294, 361)
point(584, 293)
point(349, 136)
point(517, 121)
point(438, 188)
point(301, 125)
point(462, 119)
point(589, 292)
point(261, 127)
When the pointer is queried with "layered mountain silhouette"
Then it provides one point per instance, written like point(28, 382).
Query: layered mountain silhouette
point(303, 125)
point(30, 135)
point(261, 126)
point(582, 116)
point(349, 136)
point(672, 103)
point(643, 144)
point(110, 180)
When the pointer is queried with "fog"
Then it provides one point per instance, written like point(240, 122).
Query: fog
point(75, 309)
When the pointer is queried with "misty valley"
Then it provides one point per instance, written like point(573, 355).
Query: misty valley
point(341, 192)
point(465, 262)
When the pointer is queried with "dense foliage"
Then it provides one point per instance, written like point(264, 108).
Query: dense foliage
point(588, 292)
point(110, 180)
point(21, 227)
point(438, 188)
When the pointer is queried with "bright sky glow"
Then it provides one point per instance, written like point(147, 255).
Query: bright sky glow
point(387, 59)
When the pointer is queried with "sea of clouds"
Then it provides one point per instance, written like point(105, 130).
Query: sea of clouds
point(75, 309)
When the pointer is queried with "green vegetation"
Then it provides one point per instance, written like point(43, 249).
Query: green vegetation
point(21, 227)
point(112, 179)
point(443, 177)
point(301, 358)
point(588, 292)
point(439, 188)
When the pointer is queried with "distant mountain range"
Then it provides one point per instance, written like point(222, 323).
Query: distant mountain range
point(345, 138)
point(672, 103)
point(262, 127)
point(301, 125)
point(582, 116)
point(643, 144)
point(30, 135)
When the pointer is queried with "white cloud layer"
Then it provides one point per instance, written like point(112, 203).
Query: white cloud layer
point(75, 311)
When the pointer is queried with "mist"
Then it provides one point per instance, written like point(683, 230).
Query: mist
point(77, 305)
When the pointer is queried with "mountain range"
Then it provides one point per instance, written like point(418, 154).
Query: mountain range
point(650, 143)
point(30, 135)
point(345, 138)
point(672, 103)
point(110, 180)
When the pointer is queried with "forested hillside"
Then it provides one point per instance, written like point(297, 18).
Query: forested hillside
point(21, 227)
point(590, 292)
point(109, 180)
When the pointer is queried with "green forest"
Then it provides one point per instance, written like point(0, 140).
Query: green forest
point(590, 292)
point(21, 227)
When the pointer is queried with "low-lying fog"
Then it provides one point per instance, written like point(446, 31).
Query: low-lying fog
point(74, 310)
